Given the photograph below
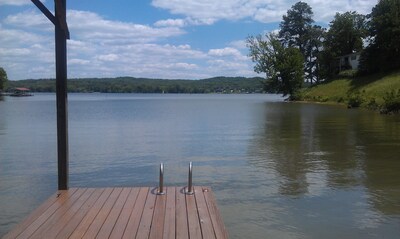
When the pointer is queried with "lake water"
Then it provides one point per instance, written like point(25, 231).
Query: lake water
point(278, 170)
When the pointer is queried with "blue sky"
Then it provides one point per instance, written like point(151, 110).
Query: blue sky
point(169, 39)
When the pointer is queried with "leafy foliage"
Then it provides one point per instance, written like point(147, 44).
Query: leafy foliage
point(143, 85)
point(282, 65)
point(355, 100)
point(313, 53)
point(346, 33)
point(3, 78)
point(295, 26)
point(383, 52)
point(345, 36)
point(391, 102)
point(297, 31)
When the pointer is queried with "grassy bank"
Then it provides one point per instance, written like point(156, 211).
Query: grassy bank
point(377, 92)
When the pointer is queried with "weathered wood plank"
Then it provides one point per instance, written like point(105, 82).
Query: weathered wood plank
point(157, 224)
point(147, 216)
point(48, 213)
point(120, 225)
point(98, 221)
point(136, 215)
point(169, 222)
point(69, 228)
point(219, 227)
point(57, 222)
point(125, 213)
point(88, 219)
point(207, 229)
point(38, 212)
point(182, 231)
point(193, 217)
point(109, 223)
point(53, 219)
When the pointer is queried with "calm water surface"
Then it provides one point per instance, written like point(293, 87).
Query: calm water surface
point(278, 170)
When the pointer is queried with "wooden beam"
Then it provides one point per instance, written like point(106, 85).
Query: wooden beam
point(61, 17)
point(45, 11)
point(62, 101)
point(61, 36)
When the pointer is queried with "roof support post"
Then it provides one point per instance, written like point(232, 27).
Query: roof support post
point(61, 36)
point(62, 100)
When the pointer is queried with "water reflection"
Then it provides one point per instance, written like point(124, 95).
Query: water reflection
point(313, 148)
point(279, 170)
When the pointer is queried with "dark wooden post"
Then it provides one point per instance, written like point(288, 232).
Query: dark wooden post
point(62, 101)
point(61, 36)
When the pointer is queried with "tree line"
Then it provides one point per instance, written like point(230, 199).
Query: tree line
point(304, 52)
point(145, 85)
point(3, 79)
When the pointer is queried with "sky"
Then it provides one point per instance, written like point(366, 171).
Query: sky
point(167, 39)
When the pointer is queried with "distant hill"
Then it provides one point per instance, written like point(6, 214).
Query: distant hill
point(145, 85)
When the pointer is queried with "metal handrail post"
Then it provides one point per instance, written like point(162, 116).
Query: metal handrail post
point(190, 180)
point(161, 181)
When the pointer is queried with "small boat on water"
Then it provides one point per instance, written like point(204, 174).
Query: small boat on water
point(20, 92)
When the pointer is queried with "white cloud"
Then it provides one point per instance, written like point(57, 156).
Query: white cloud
point(261, 10)
point(15, 52)
point(107, 57)
point(170, 23)
point(103, 48)
point(75, 61)
point(29, 19)
point(15, 2)
point(239, 44)
point(227, 51)
point(91, 26)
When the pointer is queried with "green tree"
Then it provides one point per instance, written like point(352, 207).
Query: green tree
point(3, 78)
point(282, 65)
point(297, 31)
point(345, 36)
point(346, 33)
point(296, 25)
point(291, 74)
point(313, 49)
point(383, 52)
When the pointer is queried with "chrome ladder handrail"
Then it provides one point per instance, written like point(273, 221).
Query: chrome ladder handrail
point(161, 181)
point(190, 180)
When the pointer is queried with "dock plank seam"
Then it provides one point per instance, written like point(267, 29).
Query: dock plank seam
point(121, 223)
point(207, 228)
point(193, 217)
point(35, 225)
point(52, 231)
point(215, 216)
point(131, 232)
point(28, 220)
point(147, 216)
point(70, 227)
point(85, 223)
point(99, 220)
point(111, 219)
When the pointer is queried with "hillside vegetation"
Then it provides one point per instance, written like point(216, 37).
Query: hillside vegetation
point(379, 92)
point(144, 85)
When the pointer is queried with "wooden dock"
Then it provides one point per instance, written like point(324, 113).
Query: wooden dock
point(124, 213)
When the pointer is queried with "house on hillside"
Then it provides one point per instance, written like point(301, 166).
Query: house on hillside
point(349, 62)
